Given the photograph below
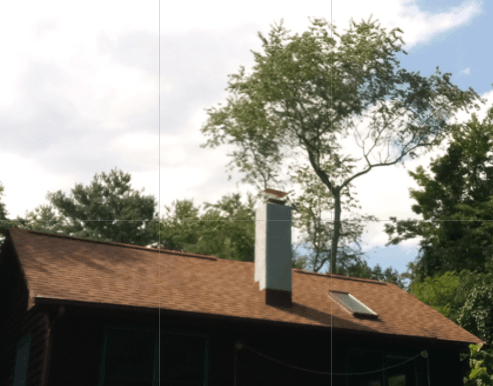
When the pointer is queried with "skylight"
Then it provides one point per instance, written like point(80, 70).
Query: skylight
point(352, 304)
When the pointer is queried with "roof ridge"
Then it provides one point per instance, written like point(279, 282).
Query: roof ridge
point(115, 244)
point(373, 281)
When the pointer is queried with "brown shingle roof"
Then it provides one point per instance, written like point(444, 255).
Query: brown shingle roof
point(96, 272)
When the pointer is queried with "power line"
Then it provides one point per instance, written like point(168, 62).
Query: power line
point(240, 345)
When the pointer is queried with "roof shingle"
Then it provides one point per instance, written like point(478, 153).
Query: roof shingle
point(83, 270)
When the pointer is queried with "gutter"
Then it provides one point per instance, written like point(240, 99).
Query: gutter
point(49, 344)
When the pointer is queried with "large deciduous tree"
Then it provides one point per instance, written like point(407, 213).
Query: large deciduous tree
point(308, 93)
point(317, 232)
point(456, 205)
point(108, 210)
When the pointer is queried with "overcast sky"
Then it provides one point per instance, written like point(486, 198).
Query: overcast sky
point(80, 91)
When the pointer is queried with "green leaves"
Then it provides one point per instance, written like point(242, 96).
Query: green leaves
point(180, 225)
point(225, 229)
point(316, 231)
point(477, 313)
point(5, 223)
point(481, 364)
point(467, 299)
point(308, 92)
point(362, 270)
point(438, 292)
point(3, 210)
point(108, 209)
point(455, 202)
point(44, 219)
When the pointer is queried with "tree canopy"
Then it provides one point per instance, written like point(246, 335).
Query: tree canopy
point(108, 209)
point(5, 223)
point(466, 299)
point(462, 297)
point(225, 229)
point(456, 204)
point(308, 93)
point(3, 209)
point(476, 315)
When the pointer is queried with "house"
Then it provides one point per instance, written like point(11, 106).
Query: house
point(79, 312)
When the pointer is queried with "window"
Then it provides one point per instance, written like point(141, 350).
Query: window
point(362, 362)
point(131, 358)
point(352, 304)
point(402, 375)
point(397, 380)
point(399, 371)
point(22, 361)
point(182, 360)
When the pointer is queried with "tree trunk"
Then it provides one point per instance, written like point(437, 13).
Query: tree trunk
point(337, 230)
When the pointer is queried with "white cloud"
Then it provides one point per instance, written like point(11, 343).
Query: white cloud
point(27, 181)
point(138, 142)
point(466, 71)
point(417, 25)
point(421, 26)
point(178, 183)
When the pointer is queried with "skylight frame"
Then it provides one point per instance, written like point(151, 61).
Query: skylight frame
point(367, 313)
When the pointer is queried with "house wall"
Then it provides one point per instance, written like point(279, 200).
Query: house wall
point(448, 369)
point(17, 322)
point(79, 339)
point(78, 345)
point(76, 353)
point(77, 342)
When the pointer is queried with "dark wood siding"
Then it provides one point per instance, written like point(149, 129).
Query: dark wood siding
point(18, 322)
point(79, 339)
point(76, 351)
point(446, 368)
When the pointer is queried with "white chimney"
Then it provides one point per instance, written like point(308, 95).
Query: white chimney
point(273, 249)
